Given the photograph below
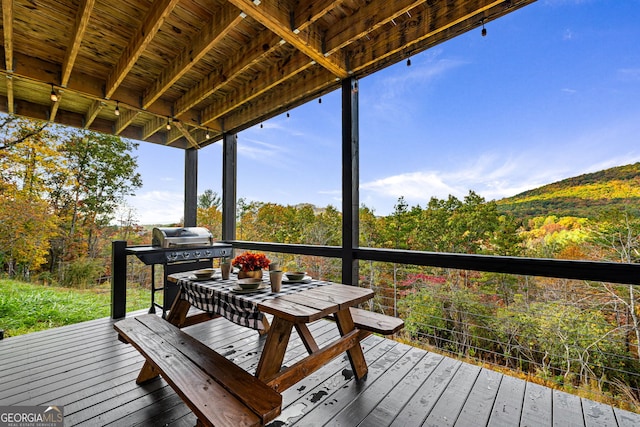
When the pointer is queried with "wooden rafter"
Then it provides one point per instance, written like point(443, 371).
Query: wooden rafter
point(91, 115)
point(366, 20)
point(309, 11)
point(124, 119)
point(183, 130)
point(224, 21)
point(138, 43)
point(442, 19)
point(308, 41)
point(7, 25)
point(82, 20)
point(282, 97)
point(235, 66)
point(278, 74)
point(152, 126)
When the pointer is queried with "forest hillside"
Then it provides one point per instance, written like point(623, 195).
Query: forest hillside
point(586, 196)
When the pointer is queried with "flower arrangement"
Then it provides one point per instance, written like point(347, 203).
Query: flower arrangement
point(250, 261)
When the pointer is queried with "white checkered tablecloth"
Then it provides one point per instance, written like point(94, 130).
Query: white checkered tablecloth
point(216, 296)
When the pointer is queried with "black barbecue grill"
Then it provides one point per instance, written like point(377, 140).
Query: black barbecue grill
point(177, 249)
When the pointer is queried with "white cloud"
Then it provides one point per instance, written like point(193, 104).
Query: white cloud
point(157, 207)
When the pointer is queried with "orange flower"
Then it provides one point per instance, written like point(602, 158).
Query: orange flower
point(250, 261)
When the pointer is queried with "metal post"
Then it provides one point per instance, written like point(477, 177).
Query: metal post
point(118, 279)
point(190, 187)
point(350, 180)
point(229, 178)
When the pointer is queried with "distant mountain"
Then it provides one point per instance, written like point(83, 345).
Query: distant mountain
point(581, 196)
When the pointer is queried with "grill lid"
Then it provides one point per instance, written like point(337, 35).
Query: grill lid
point(167, 237)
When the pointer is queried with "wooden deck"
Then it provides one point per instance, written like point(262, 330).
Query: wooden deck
point(87, 370)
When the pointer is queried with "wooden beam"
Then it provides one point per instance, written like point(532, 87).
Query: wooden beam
point(365, 20)
point(82, 20)
point(7, 29)
point(314, 82)
point(190, 218)
point(279, 73)
point(158, 11)
point(229, 188)
point(93, 112)
point(276, 19)
point(235, 66)
point(10, 100)
point(124, 119)
point(225, 20)
point(90, 87)
point(185, 132)
point(350, 180)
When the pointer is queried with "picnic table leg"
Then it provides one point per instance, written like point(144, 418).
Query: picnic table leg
point(274, 348)
point(178, 312)
point(356, 356)
point(265, 326)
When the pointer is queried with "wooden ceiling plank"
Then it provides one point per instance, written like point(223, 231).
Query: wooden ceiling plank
point(182, 128)
point(309, 11)
point(277, 20)
point(278, 74)
point(223, 22)
point(138, 43)
point(82, 20)
point(416, 37)
point(236, 65)
point(124, 119)
point(93, 112)
point(364, 21)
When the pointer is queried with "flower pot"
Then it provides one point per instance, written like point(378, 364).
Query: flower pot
point(255, 274)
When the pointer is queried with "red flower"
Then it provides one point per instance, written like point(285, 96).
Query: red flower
point(249, 261)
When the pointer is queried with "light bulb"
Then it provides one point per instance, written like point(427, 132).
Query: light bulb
point(54, 95)
point(117, 110)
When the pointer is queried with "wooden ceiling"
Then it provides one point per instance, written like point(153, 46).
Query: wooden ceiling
point(207, 66)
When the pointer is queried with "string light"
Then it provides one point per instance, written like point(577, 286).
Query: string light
point(207, 134)
point(54, 95)
point(319, 100)
point(288, 115)
point(168, 124)
point(261, 126)
point(484, 30)
point(117, 110)
point(409, 62)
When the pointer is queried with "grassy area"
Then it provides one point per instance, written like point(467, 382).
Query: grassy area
point(27, 307)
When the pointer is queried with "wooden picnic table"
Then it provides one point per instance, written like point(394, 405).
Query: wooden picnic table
point(297, 305)
point(218, 391)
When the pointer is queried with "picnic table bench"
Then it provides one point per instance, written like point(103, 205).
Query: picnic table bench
point(219, 392)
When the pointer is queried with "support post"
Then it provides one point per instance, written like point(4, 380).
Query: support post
point(350, 180)
point(118, 279)
point(229, 178)
point(190, 187)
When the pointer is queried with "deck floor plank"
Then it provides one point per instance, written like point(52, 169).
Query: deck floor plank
point(84, 368)
point(537, 406)
point(448, 407)
point(477, 407)
point(567, 410)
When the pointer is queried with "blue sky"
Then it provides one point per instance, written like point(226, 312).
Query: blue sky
point(551, 92)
